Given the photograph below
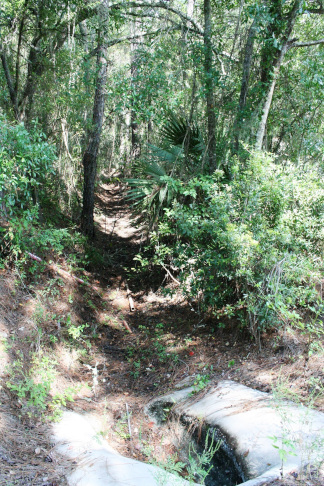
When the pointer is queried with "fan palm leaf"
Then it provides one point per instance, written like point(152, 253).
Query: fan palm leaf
point(177, 131)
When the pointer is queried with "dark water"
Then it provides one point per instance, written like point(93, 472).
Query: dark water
point(226, 469)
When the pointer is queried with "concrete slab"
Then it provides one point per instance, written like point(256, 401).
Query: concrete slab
point(254, 423)
point(97, 464)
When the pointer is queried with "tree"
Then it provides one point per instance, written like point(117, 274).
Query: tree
point(43, 27)
point(246, 72)
point(209, 85)
point(135, 140)
point(90, 155)
point(272, 59)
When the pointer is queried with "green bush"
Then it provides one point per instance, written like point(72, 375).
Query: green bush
point(251, 247)
point(26, 169)
point(26, 163)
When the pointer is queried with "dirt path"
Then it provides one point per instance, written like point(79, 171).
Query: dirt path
point(85, 330)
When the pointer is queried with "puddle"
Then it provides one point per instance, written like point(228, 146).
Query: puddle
point(226, 470)
point(224, 467)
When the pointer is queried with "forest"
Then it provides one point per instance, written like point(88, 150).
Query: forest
point(161, 187)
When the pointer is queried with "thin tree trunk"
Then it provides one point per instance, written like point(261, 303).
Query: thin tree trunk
point(237, 28)
point(149, 125)
point(87, 80)
point(291, 19)
point(90, 156)
point(270, 52)
point(11, 88)
point(22, 97)
point(209, 86)
point(135, 140)
point(21, 29)
point(248, 56)
point(34, 72)
point(184, 38)
point(190, 8)
point(268, 100)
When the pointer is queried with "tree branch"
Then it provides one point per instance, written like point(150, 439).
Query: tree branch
point(162, 17)
point(306, 44)
point(163, 6)
point(319, 11)
point(125, 38)
point(146, 34)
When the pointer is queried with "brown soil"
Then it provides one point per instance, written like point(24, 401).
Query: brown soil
point(123, 358)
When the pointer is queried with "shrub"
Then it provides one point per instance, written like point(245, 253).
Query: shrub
point(26, 162)
point(250, 247)
point(23, 234)
point(26, 168)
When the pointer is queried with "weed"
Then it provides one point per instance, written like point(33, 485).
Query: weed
point(285, 448)
point(39, 314)
point(91, 304)
point(201, 381)
point(53, 339)
point(195, 468)
point(32, 387)
point(75, 331)
point(8, 343)
point(60, 400)
point(200, 464)
point(297, 437)
point(52, 290)
point(121, 428)
point(137, 366)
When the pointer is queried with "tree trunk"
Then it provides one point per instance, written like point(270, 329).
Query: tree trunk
point(268, 100)
point(34, 72)
point(209, 86)
point(90, 156)
point(40, 42)
point(87, 81)
point(190, 8)
point(274, 72)
point(184, 40)
point(135, 140)
point(11, 88)
point(248, 56)
point(270, 52)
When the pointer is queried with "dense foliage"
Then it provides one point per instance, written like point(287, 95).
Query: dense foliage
point(26, 163)
point(250, 247)
point(27, 168)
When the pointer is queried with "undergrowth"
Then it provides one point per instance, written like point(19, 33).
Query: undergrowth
point(250, 247)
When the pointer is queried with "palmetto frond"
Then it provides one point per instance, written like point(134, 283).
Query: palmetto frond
point(152, 193)
point(183, 146)
point(169, 156)
point(178, 132)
